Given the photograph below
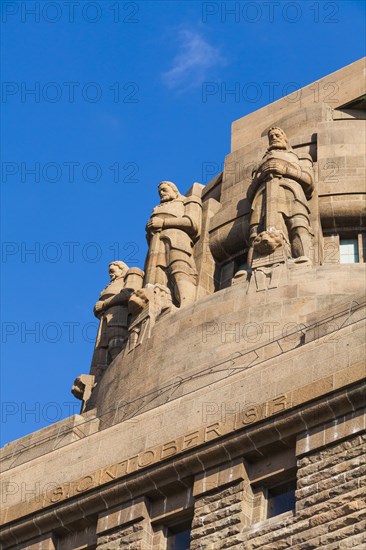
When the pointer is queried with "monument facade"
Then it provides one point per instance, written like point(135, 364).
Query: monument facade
point(225, 402)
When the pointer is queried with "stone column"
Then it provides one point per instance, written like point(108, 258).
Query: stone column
point(125, 526)
point(223, 506)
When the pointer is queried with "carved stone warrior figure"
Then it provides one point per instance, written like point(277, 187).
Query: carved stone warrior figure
point(112, 311)
point(282, 185)
point(172, 230)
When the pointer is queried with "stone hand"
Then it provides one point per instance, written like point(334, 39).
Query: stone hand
point(98, 308)
point(155, 224)
point(275, 166)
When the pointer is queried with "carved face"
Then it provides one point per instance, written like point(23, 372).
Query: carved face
point(277, 139)
point(267, 241)
point(116, 270)
point(78, 388)
point(113, 272)
point(166, 192)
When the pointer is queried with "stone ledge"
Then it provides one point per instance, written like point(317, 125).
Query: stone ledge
point(246, 441)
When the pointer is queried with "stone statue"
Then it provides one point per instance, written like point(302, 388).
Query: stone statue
point(279, 193)
point(112, 311)
point(172, 230)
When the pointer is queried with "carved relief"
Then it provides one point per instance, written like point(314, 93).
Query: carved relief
point(145, 306)
point(172, 230)
point(112, 311)
point(267, 256)
point(281, 188)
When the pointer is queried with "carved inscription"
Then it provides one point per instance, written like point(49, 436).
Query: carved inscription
point(253, 413)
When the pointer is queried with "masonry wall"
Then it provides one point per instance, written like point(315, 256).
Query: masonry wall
point(330, 507)
point(321, 446)
point(131, 537)
point(219, 517)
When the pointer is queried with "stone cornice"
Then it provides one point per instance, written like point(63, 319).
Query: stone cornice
point(93, 495)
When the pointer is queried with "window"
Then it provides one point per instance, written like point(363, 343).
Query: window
point(240, 263)
point(171, 515)
point(273, 482)
point(281, 499)
point(347, 248)
point(348, 251)
point(178, 537)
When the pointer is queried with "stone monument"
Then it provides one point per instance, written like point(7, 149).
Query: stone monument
point(225, 405)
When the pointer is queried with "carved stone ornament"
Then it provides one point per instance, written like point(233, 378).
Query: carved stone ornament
point(82, 388)
point(145, 306)
point(172, 230)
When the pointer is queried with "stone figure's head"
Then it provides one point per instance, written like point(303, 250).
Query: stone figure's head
point(277, 139)
point(117, 269)
point(267, 242)
point(168, 191)
point(78, 388)
point(83, 386)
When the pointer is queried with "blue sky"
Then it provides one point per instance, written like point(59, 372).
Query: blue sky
point(120, 102)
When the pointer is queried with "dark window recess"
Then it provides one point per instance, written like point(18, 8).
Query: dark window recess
point(281, 499)
point(179, 537)
point(240, 263)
